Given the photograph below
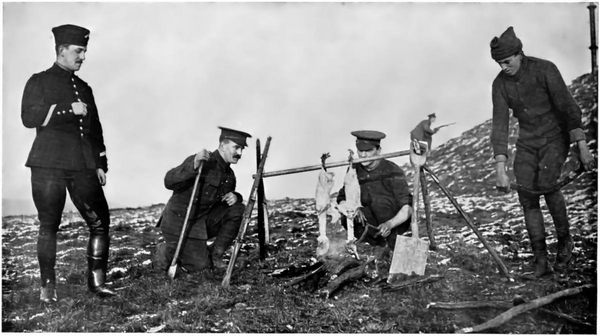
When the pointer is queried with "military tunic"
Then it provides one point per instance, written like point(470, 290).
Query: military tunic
point(63, 140)
point(383, 193)
point(423, 132)
point(217, 179)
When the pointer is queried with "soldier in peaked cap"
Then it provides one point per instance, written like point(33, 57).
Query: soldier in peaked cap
point(549, 121)
point(423, 131)
point(217, 211)
point(386, 201)
point(68, 153)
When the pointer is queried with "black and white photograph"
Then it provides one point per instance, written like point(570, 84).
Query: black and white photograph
point(300, 167)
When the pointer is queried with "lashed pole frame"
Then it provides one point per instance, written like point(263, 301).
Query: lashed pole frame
point(263, 228)
point(427, 206)
point(246, 217)
point(345, 163)
point(469, 222)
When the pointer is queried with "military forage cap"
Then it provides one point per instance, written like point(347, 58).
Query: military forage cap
point(71, 34)
point(236, 136)
point(432, 115)
point(506, 45)
point(367, 140)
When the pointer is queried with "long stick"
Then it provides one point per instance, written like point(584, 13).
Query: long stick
point(261, 210)
point(332, 164)
point(509, 314)
point(173, 267)
point(247, 214)
point(501, 265)
point(427, 206)
point(500, 305)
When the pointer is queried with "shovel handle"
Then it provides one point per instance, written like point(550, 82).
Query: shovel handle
point(173, 267)
point(417, 160)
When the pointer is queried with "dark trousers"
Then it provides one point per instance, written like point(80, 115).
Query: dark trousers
point(49, 187)
point(372, 237)
point(539, 169)
point(222, 223)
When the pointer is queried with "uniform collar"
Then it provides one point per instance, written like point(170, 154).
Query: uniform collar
point(57, 69)
point(219, 159)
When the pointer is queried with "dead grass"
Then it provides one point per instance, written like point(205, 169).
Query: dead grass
point(259, 303)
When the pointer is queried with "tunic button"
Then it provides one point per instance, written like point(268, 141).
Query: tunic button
point(78, 99)
point(81, 128)
point(81, 134)
point(77, 93)
point(72, 79)
point(80, 120)
point(70, 111)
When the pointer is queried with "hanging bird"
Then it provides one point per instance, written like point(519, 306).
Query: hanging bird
point(349, 206)
point(323, 205)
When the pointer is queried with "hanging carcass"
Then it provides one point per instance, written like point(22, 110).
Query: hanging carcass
point(350, 205)
point(325, 206)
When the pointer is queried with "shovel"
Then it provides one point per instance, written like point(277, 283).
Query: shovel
point(173, 267)
point(410, 253)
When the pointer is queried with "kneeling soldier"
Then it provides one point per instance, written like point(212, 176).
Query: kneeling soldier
point(386, 201)
point(216, 212)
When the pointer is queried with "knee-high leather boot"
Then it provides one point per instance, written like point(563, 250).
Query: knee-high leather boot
point(534, 221)
point(46, 253)
point(97, 254)
point(558, 209)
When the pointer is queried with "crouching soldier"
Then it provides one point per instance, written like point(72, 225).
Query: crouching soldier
point(386, 201)
point(217, 209)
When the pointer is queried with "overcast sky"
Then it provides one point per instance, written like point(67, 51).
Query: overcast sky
point(165, 75)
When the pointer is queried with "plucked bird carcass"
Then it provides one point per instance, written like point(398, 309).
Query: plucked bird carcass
point(350, 205)
point(324, 206)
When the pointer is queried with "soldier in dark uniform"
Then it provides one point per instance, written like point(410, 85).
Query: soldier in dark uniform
point(386, 201)
point(423, 131)
point(217, 208)
point(68, 153)
point(549, 120)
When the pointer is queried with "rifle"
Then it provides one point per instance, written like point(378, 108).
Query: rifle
point(442, 126)
point(247, 214)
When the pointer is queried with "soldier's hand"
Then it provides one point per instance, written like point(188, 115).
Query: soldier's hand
point(229, 198)
point(79, 108)
point(503, 181)
point(101, 176)
point(587, 159)
point(385, 229)
point(202, 155)
point(360, 216)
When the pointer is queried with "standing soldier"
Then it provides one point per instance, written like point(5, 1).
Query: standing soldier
point(217, 209)
point(68, 153)
point(549, 120)
point(423, 131)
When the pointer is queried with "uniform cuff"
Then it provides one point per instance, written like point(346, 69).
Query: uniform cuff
point(500, 150)
point(576, 135)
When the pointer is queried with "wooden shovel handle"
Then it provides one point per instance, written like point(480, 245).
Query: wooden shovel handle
point(414, 226)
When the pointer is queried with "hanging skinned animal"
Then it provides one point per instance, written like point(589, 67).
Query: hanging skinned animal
point(324, 206)
point(350, 205)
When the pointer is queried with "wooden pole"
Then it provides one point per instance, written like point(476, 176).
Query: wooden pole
point(246, 218)
point(427, 206)
point(332, 164)
point(593, 46)
point(509, 314)
point(261, 212)
point(495, 256)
